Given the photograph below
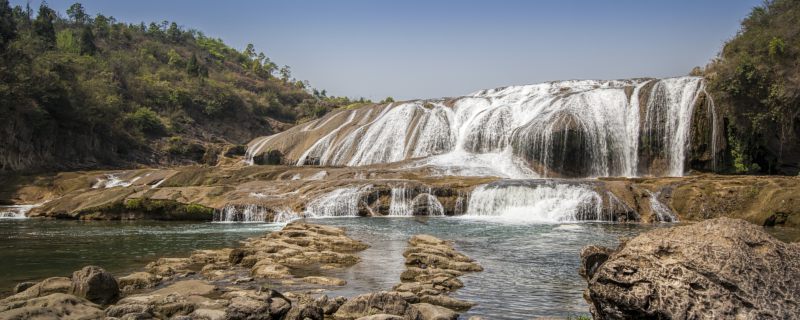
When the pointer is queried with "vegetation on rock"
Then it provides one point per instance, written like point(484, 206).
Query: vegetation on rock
point(88, 91)
point(755, 79)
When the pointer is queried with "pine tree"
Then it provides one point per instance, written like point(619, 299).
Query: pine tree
point(193, 67)
point(174, 33)
point(8, 29)
point(43, 26)
point(87, 41)
point(77, 13)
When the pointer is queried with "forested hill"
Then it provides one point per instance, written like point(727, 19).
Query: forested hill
point(756, 81)
point(81, 91)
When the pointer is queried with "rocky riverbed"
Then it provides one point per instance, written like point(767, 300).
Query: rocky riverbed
point(236, 283)
point(273, 193)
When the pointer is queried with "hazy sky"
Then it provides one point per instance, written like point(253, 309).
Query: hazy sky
point(427, 48)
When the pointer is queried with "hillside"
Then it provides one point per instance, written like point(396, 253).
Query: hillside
point(90, 92)
point(756, 80)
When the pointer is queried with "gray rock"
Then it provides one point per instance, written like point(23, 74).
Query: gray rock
point(716, 269)
point(53, 306)
point(94, 284)
point(431, 312)
point(305, 312)
point(22, 286)
point(376, 303)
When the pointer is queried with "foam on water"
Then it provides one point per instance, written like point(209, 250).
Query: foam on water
point(545, 202)
point(16, 211)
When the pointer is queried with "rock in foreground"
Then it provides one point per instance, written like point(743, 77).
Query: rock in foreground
point(718, 269)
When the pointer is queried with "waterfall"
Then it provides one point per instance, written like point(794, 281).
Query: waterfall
point(400, 203)
point(16, 211)
point(582, 128)
point(246, 213)
point(342, 202)
point(113, 180)
point(535, 201)
point(662, 212)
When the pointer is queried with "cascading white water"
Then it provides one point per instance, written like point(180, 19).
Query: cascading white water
point(662, 212)
point(246, 213)
point(400, 203)
point(113, 180)
point(252, 213)
point(16, 212)
point(342, 202)
point(546, 201)
point(576, 128)
point(430, 203)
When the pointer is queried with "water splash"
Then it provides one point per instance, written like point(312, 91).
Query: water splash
point(113, 180)
point(662, 212)
point(535, 201)
point(342, 202)
point(16, 211)
point(252, 213)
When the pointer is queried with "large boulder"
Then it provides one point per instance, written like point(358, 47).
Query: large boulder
point(94, 284)
point(717, 269)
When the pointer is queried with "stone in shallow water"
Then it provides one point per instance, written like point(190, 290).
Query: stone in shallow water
point(431, 312)
point(717, 269)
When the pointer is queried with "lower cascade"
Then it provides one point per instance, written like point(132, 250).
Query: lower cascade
point(15, 212)
point(253, 213)
point(535, 201)
point(661, 211)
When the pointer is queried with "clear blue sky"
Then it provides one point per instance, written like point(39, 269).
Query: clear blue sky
point(428, 48)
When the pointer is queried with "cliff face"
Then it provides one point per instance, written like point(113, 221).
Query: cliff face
point(754, 81)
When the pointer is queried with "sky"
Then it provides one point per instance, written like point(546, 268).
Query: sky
point(434, 48)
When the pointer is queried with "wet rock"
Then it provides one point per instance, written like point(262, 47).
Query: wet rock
point(447, 302)
point(178, 299)
point(53, 306)
point(94, 284)
point(138, 280)
point(720, 269)
point(46, 287)
point(432, 312)
point(305, 312)
point(267, 268)
point(22, 286)
point(330, 306)
point(382, 317)
point(167, 267)
point(376, 303)
point(325, 281)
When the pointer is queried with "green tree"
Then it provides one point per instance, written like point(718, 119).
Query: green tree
point(65, 42)
point(77, 13)
point(250, 51)
point(43, 26)
point(101, 25)
point(87, 44)
point(388, 100)
point(174, 33)
point(8, 27)
point(193, 67)
point(286, 73)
